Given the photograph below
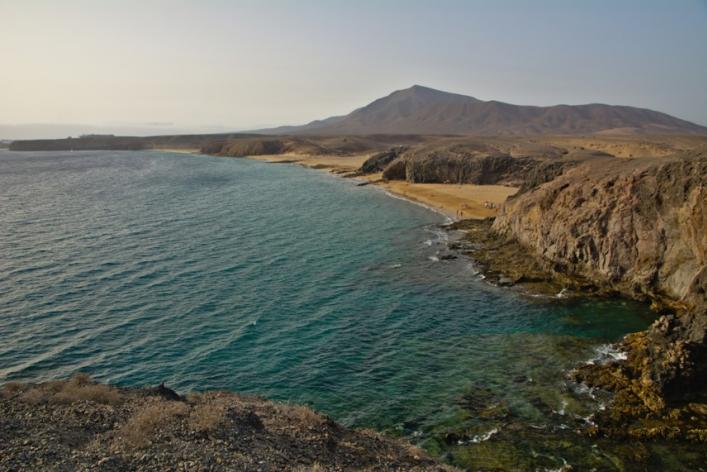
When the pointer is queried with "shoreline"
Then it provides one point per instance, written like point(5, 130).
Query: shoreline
point(453, 201)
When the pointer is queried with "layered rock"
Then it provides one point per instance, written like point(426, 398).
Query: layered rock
point(457, 163)
point(636, 227)
point(378, 162)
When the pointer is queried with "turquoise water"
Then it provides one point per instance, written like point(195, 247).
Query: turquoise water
point(213, 273)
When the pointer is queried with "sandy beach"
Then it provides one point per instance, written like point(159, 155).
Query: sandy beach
point(336, 164)
point(454, 200)
point(178, 150)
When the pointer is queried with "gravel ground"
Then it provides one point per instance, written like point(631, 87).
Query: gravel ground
point(79, 425)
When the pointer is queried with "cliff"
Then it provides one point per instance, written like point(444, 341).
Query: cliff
point(81, 425)
point(517, 162)
point(636, 227)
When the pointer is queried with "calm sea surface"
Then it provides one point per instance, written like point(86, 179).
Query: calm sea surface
point(214, 273)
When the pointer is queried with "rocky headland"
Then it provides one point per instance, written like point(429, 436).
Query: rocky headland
point(627, 227)
point(82, 425)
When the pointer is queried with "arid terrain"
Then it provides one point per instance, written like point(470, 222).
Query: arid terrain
point(81, 425)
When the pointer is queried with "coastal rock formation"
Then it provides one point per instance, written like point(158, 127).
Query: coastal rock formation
point(636, 227)
point(260, 147)
point(474, 161)
point(378, 162)
point(462, 162)
point(82, 425)
point(311, 145)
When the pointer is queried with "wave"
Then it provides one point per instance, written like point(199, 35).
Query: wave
point(479, 437)
point(607, 353)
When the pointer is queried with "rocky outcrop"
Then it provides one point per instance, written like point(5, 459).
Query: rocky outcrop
point(526, 164)
point(544, 172)
point(660, 388)
point(82, 425)
point(264, 146)
point(378, 162)
point(459, 163)
point(636, 227)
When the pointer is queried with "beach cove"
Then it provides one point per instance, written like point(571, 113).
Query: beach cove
point(316, 291)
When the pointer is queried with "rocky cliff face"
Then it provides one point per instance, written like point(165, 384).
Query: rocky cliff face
point(481, 162)
point(464, 162)
point(637, 227)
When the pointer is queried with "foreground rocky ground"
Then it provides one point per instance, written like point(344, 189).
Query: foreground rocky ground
point(81, 425)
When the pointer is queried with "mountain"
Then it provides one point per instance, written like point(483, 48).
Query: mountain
point(422, 110)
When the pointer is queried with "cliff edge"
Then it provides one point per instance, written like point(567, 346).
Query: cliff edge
point(82, 425)
point(636, 227)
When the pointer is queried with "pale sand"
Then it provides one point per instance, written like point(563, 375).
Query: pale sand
point(454, 200)
point(332, 163)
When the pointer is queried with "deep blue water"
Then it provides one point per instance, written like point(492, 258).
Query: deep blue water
point(215, 273)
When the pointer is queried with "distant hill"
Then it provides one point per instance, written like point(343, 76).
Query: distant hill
point(422, 110)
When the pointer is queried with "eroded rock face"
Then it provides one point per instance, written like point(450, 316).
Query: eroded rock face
point(459, 164)
point(473, 161)
point(636, 225)
point(378, 162)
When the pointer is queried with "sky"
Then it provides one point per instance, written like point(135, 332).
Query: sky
point(217, 65)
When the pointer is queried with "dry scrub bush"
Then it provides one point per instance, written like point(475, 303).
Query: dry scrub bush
point(305, 415)
point(10, 389)
point(80, 387)
point(208, 416)
point(142, 427)
point(35, 396)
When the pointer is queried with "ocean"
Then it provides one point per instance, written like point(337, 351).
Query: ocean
point(297, 285)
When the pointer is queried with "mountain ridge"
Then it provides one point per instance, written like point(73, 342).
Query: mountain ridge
point(424, 110)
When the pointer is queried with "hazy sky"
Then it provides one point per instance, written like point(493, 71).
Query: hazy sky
point(245, 64)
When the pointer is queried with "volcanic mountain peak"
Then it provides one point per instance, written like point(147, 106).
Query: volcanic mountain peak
point(424, 110)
